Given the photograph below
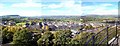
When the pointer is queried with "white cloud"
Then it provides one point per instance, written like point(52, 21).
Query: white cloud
point(1, 6)
point(28, 3)
point(21, 13)
point(104, 12)
point(101, 9)
point(70, 8)
point(64, 4)
point(65, 12)
point(90, 7)
point(100, 0)
point(30, 13)
point(54, 6)
point(68, 3)
point(107, 5)
point(6, 13)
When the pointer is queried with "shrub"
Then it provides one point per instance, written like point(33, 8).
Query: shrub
point(22, 37)
point(46, 38)
point(6, 36)
point(62, 37)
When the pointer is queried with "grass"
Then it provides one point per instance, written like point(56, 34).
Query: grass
point(20, 24)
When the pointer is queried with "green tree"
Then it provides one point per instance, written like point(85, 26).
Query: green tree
point(6, 36)
point(46, 38)
point(36, 38)
point(62, 37)
point(81, 38)
point(88, 27)
point(22, 37)
point(81, 20)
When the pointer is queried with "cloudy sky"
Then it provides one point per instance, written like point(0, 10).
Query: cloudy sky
point(58, 7)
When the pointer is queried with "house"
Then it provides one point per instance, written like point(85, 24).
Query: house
point(11, 23)
point(74, 32)
point(4, 22)
point(52, 27)
point(45, 27)
point(26, 25)
point(33, 23)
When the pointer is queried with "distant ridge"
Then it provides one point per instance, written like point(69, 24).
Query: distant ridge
point(62, 16)
point(11, 15)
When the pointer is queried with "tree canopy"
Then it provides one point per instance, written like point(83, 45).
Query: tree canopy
point(22, 36)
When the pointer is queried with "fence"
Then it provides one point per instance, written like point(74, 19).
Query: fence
point(103, 37)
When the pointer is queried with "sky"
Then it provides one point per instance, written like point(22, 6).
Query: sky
point(58, 7)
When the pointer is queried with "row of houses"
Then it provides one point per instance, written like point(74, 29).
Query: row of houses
point(53, 26)
point(11, 23)
point(59, 25)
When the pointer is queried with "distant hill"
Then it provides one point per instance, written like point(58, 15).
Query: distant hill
point(62, 16)
point(11, 16)
point(93, 16)
point(102, 16)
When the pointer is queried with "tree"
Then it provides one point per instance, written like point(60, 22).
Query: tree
point(22, 37)
point(13, 29)
point(12, 19)
point(46, 38)
point(6, 36)
point(89, 27)
point(81, 38)
point(62, 37)
point(81, 20)
point(36, 37)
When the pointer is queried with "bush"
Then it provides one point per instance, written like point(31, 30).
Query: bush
point(35, 38)
point(46, 38)
point(81, 38)
point(88, 27)
point(6, 36)
point(62, 37)
point(22, 37)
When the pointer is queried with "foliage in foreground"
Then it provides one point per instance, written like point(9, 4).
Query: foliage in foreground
point(46, 38)
point(6, 36)
point(62, 37)
point(22, 37)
